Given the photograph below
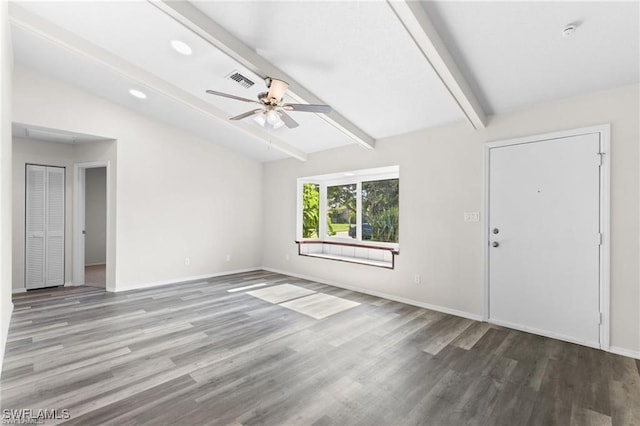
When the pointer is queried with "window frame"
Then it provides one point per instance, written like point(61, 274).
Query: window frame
point(356, 177)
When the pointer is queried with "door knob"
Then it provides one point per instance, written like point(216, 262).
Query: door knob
point(495, 230)
point(495, 244)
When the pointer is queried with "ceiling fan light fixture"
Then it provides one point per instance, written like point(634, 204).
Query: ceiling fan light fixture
point(273, 117)
point(269, 119)
point(260, 119)
point(271, 113)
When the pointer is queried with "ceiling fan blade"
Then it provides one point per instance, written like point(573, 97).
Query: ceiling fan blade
point(246, 114)
point(321, 109)
point(226, 95)
point(288, 121)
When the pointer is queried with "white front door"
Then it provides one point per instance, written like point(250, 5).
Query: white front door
point(544, 237)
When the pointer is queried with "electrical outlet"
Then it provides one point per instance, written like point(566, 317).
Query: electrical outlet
point(417, 279)
point(286, 256)
point(187, 261)
point(228, 258)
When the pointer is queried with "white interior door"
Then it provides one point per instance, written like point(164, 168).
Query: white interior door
point(54, 253)
point(544, 231)
point(44, 246)
point(35, 226)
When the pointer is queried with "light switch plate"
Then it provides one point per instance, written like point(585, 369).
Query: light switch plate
point(472, 216)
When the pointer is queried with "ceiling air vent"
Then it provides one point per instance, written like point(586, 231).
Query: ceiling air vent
point(240, 79)
point(49, 136)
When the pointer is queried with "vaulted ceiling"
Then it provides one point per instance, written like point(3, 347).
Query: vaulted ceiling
point(386, 68)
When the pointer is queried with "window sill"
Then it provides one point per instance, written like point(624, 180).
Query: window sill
point(363, 254)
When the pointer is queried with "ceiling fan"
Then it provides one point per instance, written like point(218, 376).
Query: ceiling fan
point(272, 109)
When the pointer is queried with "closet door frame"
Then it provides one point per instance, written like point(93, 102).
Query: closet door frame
point(64, 226)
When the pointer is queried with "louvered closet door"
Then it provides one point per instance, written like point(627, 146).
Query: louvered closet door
point(35, 226)
point(54, 252)
point(44, 254)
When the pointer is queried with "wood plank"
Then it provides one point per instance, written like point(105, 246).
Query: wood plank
point(194, 353)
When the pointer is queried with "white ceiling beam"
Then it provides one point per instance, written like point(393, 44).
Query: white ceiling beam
point(424, 34)
point(202, 25)
point(24, 19)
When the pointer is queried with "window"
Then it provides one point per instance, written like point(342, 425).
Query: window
point(357, 207)
point(380, 210)
point(341, 210)
point(310, 210)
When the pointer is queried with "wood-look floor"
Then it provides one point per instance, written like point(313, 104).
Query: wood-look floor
point(196, 354)
point(95, 275)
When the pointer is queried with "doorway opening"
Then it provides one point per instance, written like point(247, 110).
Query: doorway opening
point(91, 224)
point(95, 231)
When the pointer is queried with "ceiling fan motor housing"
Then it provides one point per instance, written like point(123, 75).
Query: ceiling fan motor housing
point(277, 89)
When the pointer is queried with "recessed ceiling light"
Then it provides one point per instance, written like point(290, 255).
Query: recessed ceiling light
point(138, 94)
point(348, 174)
point(181, 47)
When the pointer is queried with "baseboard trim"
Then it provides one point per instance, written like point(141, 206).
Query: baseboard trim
point(120, 287)
point(624, 352)
point(5, 322)
point(24, 290)
point(382, 295)
point(613, 349)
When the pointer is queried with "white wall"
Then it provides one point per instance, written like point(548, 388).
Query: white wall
point(441, 176)
point(176, 195)
point(6, 69)
point(47, 154)
point(96, 216)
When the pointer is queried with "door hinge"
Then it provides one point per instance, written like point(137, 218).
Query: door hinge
point(600, 238)
point(600, 318)
point(600, 158)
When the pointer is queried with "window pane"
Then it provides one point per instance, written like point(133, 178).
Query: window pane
point(380, 210)
point(310, 210)
point(341, 210)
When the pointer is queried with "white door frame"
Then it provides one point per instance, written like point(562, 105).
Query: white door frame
point(45, 232)
point(605, 172)
point(79, 170)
